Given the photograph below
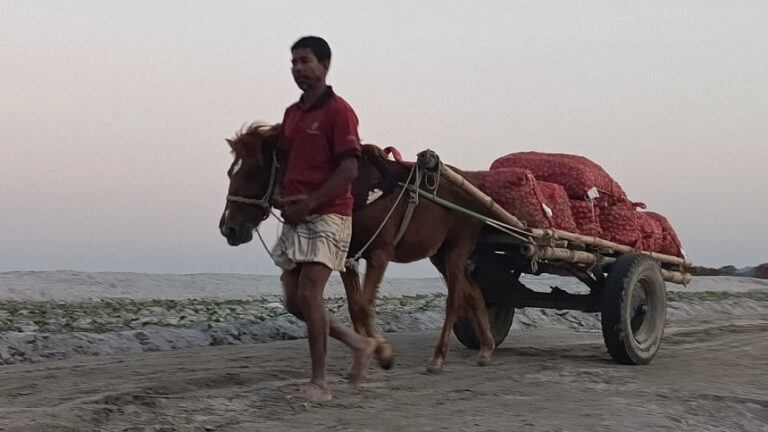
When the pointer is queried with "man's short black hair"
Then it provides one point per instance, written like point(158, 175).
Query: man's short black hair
point(317, 45)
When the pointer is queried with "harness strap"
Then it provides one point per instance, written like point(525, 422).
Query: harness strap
point(352, 262)
point(413, 201)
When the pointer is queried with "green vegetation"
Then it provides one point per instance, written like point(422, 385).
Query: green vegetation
point(123, 314)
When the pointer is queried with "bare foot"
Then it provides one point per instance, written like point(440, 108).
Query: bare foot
point(312, 393)
point(361, 359)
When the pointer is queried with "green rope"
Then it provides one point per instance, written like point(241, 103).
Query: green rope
point(445, 203)
point(515, 232)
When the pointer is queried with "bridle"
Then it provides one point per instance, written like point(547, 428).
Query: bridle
point(263, 202)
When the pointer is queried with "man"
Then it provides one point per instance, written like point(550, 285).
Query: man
point(318, 152)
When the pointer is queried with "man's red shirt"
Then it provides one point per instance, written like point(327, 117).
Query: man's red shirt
point(315, 140)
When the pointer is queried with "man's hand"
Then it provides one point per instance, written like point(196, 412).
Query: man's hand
point(297, 213)
point(280, 202)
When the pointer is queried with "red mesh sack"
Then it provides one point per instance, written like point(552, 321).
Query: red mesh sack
point(576, 174)
point(477, 178)
point(586, 216)
point(619, 223)
point(515, 190)
point(651, 236)
point(670, 243)
point(556, 199)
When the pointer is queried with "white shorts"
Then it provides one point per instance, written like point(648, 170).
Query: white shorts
point(322, 239)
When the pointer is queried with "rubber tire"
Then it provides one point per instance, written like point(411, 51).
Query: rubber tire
point(499, 317)
point(634, 279)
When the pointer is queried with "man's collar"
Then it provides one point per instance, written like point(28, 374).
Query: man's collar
point(322, 100)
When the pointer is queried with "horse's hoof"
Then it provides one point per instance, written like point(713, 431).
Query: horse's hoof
point(434, 370)
point(435, 367)
point(384, 356)
point(483, 360)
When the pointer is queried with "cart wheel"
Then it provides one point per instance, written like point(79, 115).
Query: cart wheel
point(500, 319)
point(634, 308)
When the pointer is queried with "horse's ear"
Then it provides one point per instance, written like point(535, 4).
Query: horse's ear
point(231, 143)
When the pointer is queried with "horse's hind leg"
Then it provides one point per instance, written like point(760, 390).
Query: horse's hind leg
point(437, 361)
point(479, 315)
point(461, 293)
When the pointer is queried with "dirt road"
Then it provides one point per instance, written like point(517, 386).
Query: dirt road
point(707, 376)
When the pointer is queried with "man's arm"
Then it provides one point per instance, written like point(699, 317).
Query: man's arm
point(336, 185)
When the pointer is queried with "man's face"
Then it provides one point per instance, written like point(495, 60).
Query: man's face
point(307, 71)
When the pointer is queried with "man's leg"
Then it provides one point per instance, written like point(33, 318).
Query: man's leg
point(312, 280)
point(311, 284)
point(318, 390)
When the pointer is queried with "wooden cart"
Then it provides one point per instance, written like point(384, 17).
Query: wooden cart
point(626, 286)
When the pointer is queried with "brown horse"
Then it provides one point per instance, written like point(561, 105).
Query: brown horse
point(434, 232)
point(444, 236)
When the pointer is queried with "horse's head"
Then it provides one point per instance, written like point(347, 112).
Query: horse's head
point(252, 178)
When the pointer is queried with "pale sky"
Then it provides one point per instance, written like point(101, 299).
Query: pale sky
point(113, 114)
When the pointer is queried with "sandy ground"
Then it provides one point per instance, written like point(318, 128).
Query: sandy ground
point(707, 377)
point(710, 375)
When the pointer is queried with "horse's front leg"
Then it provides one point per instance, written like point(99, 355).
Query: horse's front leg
point(351, 280)
point(376, 265)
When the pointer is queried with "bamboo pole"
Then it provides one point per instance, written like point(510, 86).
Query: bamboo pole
point(676, 277)
point(581, 257)
point(479, 195)
point(549, 252)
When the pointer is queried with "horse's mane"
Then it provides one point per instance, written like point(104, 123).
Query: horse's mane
point(252, 134)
